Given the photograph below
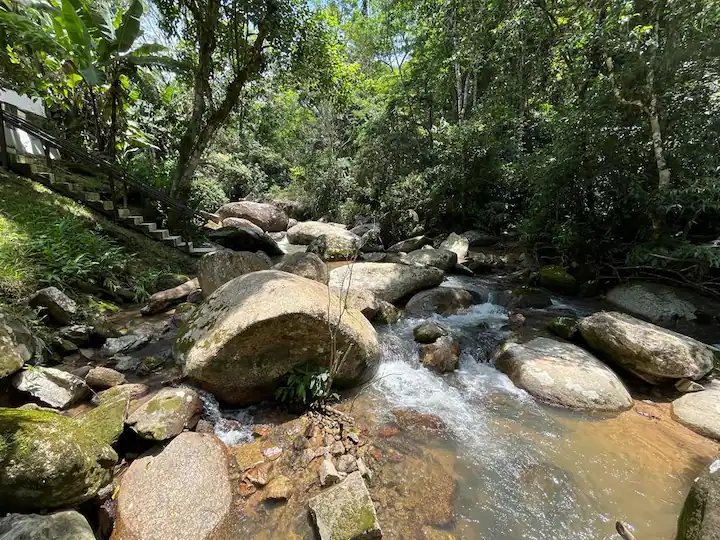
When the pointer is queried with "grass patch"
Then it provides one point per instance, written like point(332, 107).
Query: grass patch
point(48, 239)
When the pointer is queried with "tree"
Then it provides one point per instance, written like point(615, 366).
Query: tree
point(232, 43)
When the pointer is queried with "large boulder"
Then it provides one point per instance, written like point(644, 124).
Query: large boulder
point(61, 308)
point(216, 269)
point(652, 353)
point(700, 516)
point(563, 374)
point(163, 300)
point(185, 492)
point(440, 300)
point(297, 210)
point(266, 216)
point(529, 297)
point(389, 281)
point(439, 258)
point(335, 247)
point(166, 414)
point(250, 333)
point(345, 512)
point(411, 244)
point(241, 223)
point(700, 411)
point(307, 265)
point(51, 386)
point(652, 301)
point(245, 239)
point(67, 525)
point(306, 231)
point(457, 244)
point(47, 461)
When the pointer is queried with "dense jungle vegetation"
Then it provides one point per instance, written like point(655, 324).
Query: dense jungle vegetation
point(591, 129)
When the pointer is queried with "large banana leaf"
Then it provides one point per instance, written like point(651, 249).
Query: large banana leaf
point(129, 29)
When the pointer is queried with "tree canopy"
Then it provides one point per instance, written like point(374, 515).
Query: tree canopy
point(591, 129)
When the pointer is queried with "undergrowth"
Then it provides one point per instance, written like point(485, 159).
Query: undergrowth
point(47, 239)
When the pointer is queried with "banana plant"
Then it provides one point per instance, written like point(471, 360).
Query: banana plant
point(100, 45)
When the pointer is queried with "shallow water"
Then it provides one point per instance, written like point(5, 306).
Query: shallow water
point(506, 466)
point(526, 470)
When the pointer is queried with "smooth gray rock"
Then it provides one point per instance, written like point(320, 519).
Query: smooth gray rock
point(563, 374)
point(267, 216)
point(652, 301)
point(163, 300)
point(216, 269)
point(440, 300)
point(241, 238)
point(429, 332)
point(411, 244)
point(306, 231)
point(700, 516)
point(651, 352)
point(183, 493)
point(307, 265)
point(61, 308)
point(442, 355)
point(439, 258)
point(700, 411)
point(388, 281)
point(53, 387)
point(102, 378)
point(458, 244)
point(335, 247)
point(252, 331)
point(166, 414)
point(67, 525)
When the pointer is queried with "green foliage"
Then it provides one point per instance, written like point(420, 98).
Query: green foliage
point(306, 387)
point(207, 194)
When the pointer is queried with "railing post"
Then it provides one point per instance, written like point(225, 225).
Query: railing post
point(48, 158)
point(3, 143)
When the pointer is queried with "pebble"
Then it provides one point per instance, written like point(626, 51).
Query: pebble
point(353, 437)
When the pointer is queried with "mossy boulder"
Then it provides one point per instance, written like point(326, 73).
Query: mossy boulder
point(556, 278)
point(340, 245)
point(47, 460)
point(166, 414)
point(10, 359)
point(169, 281)
point(565, 327)
point(700, 517)
point(106, 422)
point(345, 512)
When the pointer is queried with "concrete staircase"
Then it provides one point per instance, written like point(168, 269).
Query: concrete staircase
point(93, 199)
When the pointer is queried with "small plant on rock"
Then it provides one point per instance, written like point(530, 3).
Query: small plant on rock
point(305, 387)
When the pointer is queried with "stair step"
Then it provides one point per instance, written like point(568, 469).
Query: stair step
point(174, 241)
point(123, 212)
point(66, 186)
point(160, 234)
point(90, 196)
point(107, 205)
point(135, 220)
point(202, 250)
point(46, 177)
point(149, 227)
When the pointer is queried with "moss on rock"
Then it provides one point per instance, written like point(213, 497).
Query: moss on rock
point(47, 460)
point(556, 278)
point(107, 421)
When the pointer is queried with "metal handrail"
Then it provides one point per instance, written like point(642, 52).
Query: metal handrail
point(105, 166)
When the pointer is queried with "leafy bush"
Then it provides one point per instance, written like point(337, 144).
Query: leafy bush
point(305, 387)
point(207, 194)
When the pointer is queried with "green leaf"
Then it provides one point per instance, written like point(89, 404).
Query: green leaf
point(147, 49)
point(156, 61)
point(129, 29)
point(92, 75)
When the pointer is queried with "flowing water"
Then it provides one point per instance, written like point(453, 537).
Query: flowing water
point(505, 467)
point(526, 470)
